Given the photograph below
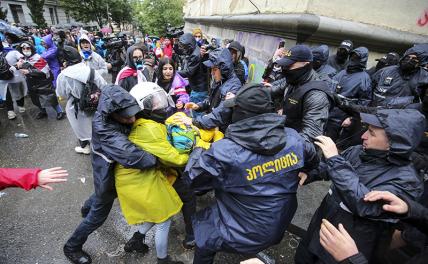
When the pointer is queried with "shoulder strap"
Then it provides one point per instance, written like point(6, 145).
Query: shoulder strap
point(91, 75)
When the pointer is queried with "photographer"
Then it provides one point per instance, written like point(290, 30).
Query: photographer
point(115, 57)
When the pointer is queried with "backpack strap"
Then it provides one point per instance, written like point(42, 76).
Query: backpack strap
point(91, 76)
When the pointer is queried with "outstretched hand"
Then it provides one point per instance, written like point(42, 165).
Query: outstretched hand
point(52, 175)
point(337, 242)
point(327, 146)
point(183, 120)
point(394, 204)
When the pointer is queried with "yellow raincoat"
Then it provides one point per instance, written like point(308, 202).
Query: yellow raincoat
point(147, 195)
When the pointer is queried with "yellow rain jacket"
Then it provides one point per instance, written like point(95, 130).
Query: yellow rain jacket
point(148, 195)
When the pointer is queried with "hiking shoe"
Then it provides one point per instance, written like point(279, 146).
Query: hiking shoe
point(188, 244)
point(136, 243)
point(78, 257)
point(168, 260)
point(60, 115)
point(11, 115)
point(86, 150)
point(21, 109)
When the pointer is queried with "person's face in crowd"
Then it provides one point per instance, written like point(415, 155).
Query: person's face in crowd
point(167, 42)
point(375, 138)
point(198, 36)
point(137, 55)
point(354, 57)
point(409, 63)
point(297, 65)
point(234, 54)
point(216, 74)
point(168, 71)
point(85, 45)
point(123, 120)
point(26, 51)
point(342, 53)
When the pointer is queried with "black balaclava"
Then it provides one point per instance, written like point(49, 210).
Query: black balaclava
point(408, 65)
point(342, 55)
point(298, 75)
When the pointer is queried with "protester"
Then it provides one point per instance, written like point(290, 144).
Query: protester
point(28, 179)
point(115, 114)
point(238, 53)
point(256, 138)
point(50, 55)
point(199, 37)
point(90, 58)
point(307, 99)
point(382, 162)
point(39, 80)
point(134, 72)
point(70, 83)
point(339, 61)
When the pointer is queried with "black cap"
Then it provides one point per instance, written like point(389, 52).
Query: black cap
point(295, 54)
point(347, 44)
point(252, 97)
point(391, 58)
point(129, 111)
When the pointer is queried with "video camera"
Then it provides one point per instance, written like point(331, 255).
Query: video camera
point(174, 32)
point(115, 43)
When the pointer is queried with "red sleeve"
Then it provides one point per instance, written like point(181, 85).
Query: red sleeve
point(22, 178)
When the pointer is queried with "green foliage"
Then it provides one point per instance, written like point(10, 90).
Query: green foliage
point(99, 11)
point(153, 16)
point(36, 12)
point(3, 13)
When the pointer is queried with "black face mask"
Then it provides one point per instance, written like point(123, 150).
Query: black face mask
point(355, 66)
point(342, 55)
point(316, 64)
point(380, 65)
point(295, 76)
point(408, 65)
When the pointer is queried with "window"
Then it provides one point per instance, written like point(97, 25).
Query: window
point(56, 16)
point(17, 13)
point(51, 13)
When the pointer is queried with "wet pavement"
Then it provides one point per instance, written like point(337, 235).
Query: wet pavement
point(36, 224)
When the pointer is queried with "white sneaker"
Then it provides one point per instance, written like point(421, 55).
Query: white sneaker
point(11, 115)
point(21, 109)
point(86, 150)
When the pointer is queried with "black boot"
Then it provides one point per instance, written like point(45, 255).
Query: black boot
point(60, 115)
point(78, 257)
point(41, 114)
point(136, 243)
point(168, 260)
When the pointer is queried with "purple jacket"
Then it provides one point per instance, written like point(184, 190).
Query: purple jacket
point(50, 56)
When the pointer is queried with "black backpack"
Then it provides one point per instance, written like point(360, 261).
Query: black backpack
point(5, 73)
point(90, 95)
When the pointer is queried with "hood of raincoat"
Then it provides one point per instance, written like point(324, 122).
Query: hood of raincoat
point(221, 58)
point(49, 41)
point(188, 40)
point(263, 134)
point(421, 51)
point(239, 48)
point(363, 53)
point(85, 54)
point(33, 49)
point(321, 53)
point(404, 129)
point(114, 98)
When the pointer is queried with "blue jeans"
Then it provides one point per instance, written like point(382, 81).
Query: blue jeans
point(161, 236)
point(100, 209)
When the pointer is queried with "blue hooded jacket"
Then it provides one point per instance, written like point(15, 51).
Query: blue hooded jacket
point(253, 171)
point(110, 142)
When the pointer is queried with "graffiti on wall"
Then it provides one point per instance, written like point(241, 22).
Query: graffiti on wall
point(423, 19)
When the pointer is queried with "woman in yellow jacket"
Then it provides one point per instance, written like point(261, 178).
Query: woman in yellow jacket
point(147, 197)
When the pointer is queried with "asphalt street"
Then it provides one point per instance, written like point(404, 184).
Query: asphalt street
point(36, 224)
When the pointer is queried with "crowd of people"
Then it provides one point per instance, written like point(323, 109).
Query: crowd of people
point(179, 118)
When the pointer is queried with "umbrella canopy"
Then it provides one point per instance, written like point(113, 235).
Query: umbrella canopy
point(106, 30)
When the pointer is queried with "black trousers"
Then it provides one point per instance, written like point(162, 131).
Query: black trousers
point(9, 101)
point(203, 256)
point(188, 198)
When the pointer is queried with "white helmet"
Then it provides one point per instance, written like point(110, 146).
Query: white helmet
point(151, 96)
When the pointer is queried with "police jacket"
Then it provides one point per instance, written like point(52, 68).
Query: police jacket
point(253, 171)
point(219, 116)
point(110, 142)
point(356, 172)
point(308, 111)
point(192, 68)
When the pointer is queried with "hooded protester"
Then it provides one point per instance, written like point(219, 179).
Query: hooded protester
point(238, 53)
point(38, 44)
point(253, 169)
point(193, 69)
point(111, 125)
point(14, 87)
point(339, 61)
point(389, 59)
point(39, 80)
point(91, 58)
point(140, 192)
point(402, 83)
point(50, 55)
point(353, 83)
point(135, 71)
point(307, 99)
point(70, 83)
point(224, 81)
point(382, 162)
point(320, 65)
